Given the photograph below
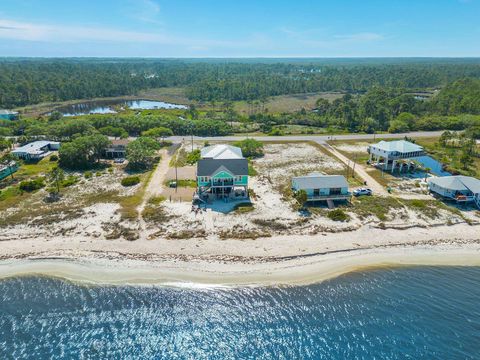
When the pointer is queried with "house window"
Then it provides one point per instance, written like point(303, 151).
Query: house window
point(316, 192)
point(238, 178)
point(335, 191)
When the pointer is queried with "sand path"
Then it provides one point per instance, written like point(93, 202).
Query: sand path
point(359, 169)
point(155, 185)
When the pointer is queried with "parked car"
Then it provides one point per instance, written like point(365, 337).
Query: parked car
point(362, 191)
point(172, 184)
point(119, 161)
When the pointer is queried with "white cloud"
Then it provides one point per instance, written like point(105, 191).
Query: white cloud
point(60, 34)
point(10, 29)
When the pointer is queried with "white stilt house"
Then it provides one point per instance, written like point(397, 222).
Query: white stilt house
point(395, 155)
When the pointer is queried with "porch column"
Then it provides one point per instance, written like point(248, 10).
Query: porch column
point(385, 167)
point(393, 165)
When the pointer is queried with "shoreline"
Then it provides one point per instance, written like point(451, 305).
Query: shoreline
point(205, 274)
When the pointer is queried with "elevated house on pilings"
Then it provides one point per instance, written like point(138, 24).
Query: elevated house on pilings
point(319, 187)
point(462, 189)
point(396, 155)
point(222, 173)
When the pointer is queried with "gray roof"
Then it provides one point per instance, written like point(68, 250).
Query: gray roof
point(457, 183)
point(209, 167)
point(8, 112)
point(401, 146)
point(318, 181)
point(34, 147)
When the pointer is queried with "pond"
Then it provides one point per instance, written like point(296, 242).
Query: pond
point(435, 166)
point(107, 106)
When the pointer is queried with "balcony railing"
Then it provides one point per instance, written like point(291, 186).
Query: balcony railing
point(329, 197)
point(222, 183)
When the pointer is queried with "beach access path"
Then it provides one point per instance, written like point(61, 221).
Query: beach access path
point(359, 170)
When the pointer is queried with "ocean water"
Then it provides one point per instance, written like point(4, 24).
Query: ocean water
point(402, 313)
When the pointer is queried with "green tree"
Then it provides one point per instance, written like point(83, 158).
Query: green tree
point(141, 153)
point(466, 159)
point(56, 176)
point(83, 152)
point(158, 133)
point(301, 197)
point(116, 132)
point(251, 148)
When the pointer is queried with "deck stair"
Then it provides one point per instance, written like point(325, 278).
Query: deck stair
point(330, 204)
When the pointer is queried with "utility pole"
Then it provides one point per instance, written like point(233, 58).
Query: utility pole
point(176, 176)
point(354, 162)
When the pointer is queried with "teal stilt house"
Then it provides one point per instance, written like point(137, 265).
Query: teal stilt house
point(222, 173)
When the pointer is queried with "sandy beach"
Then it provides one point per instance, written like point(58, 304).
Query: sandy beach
point(281, 260)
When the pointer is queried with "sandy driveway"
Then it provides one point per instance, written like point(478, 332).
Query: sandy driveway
point(359, 169)
point(155, 185)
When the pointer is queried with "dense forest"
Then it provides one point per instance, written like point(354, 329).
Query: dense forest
point(31, 81)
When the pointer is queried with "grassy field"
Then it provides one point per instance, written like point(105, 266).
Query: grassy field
point(286, 103)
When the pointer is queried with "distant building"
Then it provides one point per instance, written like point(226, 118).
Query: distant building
point(8, 115)
point(117, 149)
point(221, 152)
point(459, 188)
point(322, 187)
point(394, 155)
point(36, 150)
point(8, 169)
point(222, 172)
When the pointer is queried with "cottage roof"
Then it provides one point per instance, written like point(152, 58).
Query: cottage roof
point(209, 167)
point(319, 181)
point(221, 151)
point(8, 112)
point(34, 147)
point(457, 183)
point(120, 142)
point(401, 146)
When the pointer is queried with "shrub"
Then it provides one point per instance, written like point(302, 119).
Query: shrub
point(130, 181)
point(193, 157)
point(54, 157)
point(338, 215)
point(251, 148)
point(69, 181)
point(32, 185)
point(88, 174)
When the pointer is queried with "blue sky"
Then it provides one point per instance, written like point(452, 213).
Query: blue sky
point(240, 28)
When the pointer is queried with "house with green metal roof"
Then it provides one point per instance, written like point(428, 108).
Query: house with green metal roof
point(395, 155)
point(222, 174)
point(458, 188)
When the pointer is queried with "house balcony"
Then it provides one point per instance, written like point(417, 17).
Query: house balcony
point(222, 183)
point(329, 197)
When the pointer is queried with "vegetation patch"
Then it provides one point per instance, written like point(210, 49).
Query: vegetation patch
point(270, 224)
point(187, 234)
point(377, 206)
point(130, 181)
point(251, 148)
point(244, 208)
point(32, 185)
point(338, 215)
